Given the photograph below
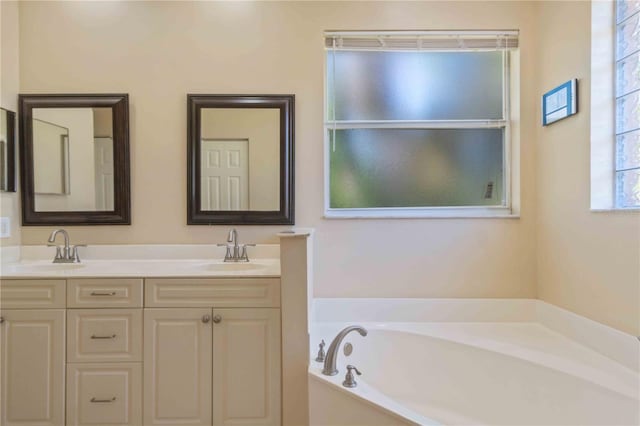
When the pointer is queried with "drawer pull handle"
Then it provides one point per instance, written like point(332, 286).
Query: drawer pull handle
point(98, 293)
point(93, 336)
point(102, 401)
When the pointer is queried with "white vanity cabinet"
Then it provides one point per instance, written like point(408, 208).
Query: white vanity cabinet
point(210, 365)
point(32, 335)
point(134, 351)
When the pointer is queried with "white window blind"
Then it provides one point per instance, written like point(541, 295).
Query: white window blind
point(421, 40)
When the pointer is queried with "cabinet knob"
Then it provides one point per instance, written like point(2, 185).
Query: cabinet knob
point(206, 318)
point(217, 319)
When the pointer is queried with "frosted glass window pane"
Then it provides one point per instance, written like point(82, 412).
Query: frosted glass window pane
point(628, 188)
point(414, 85)
point(416, 168)
point(628, 150)
point(629, 36)
point(628, 74)
point(627, 8)
point(628, 113)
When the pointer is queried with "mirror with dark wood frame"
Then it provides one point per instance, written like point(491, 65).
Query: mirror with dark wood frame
point(7, 151)
point(240, 159)
point(74, 159)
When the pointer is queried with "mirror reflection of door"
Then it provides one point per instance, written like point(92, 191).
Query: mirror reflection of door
point(50, 158)
point(103, 153)
point(225, 174)
point(3, 168)
point(3, 150)
point(73, 159)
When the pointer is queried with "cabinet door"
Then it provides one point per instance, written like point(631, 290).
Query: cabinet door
point(177, 366)
point(32, 371)
point(246, 367)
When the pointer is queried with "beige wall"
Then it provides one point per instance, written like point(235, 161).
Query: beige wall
point(261, 127)
point(160, 51)
point(588, 262)
point(102, 122)
point(9, 88)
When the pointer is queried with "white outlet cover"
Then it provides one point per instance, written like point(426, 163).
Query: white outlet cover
point(5, 227)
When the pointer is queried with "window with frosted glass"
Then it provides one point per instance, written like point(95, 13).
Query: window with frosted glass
point(417, 128)
point(627, 104)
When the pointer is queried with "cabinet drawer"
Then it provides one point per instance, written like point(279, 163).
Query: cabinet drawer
point(100, 394)
point(207, 292)
point(104, 293)
point(30, 294)
point(104, 335)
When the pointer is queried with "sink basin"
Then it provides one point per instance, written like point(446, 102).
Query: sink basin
point(222, 267)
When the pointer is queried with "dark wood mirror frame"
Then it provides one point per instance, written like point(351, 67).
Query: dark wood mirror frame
point(119, 104)
point(11, 150)
point(283, 216)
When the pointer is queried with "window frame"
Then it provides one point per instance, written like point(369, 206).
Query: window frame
point(603, 196)
point(616, 97)
point(510, 104)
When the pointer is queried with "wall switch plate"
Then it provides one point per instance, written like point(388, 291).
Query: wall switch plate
point(5, 227)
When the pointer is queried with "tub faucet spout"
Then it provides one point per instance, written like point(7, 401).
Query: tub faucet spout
point(332, 353)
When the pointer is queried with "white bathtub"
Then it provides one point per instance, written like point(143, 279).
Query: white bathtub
point(481, 372)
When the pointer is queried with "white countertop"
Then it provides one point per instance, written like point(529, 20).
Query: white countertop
point(141, 268)
point(142, 261)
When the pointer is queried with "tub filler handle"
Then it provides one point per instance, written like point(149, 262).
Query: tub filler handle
point(321, 354)
point(350, 379)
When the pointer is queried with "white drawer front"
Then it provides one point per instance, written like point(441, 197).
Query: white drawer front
point(33, 293)
point(101, 394)
point(212, 292)
point(104, 293)
point(102, 335)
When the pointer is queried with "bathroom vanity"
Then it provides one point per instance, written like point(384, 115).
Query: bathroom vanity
point(180, 341)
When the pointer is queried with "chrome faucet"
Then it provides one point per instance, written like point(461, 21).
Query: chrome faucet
point(332, 353)
point(66, 254)
point(235, 252)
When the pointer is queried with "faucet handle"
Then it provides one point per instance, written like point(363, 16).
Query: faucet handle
point(350, 380)
point(74, 252)
point(243, 255)
point(321, 353)
point(353, 368)
point(58, 251)
point(228, 256)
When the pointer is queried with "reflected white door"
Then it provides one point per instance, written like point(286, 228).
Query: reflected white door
point(103, 153)
point(224, 174)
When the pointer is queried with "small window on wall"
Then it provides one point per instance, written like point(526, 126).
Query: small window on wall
point(627, 125)
point(418, 124)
